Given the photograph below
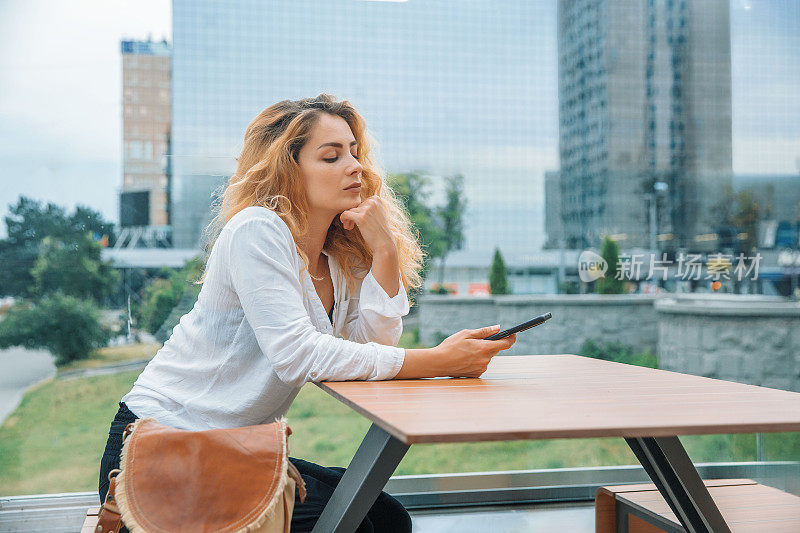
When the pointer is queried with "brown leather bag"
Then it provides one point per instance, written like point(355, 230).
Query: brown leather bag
point(226, 480)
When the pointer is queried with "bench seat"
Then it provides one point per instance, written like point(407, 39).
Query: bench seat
point(746, 506)
point(90, 523)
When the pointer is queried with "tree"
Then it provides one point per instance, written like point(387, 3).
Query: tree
point(28, 223)
point(73, 268)
point(609, 284)
point(411, 189)
point(66, 326)
point(162, 294)
point(87, 220)
point(747, 217)
point(739, 212)
point(15, 268)
point(498, 277)
point(450, 218)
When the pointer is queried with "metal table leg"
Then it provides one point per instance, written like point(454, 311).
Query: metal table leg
point(371, 467)
point(625, 511)
point(670, 468)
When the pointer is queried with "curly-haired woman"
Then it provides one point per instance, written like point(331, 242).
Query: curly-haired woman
point(309, 245)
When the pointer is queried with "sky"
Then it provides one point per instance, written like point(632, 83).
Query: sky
point(60, 97)
point(765, 71)
point(60, 94)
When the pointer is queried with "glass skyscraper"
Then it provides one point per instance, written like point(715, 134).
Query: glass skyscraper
point(446, 87)
point(645, 113)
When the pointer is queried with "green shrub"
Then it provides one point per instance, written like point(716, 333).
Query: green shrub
point(66, 326)
point(162, 294)
point(569, 287)
point(438, 337)
point(619, 353)
point(439, 288)
point(415, 336)
point(609, 284)
point(498, 275)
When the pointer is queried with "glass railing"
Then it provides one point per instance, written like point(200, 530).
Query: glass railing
point(658, 138)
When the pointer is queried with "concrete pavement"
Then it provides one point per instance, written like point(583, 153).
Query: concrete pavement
point(19, 369)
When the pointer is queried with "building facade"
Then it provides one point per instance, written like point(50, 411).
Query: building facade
point(644, 92)
point(444, 89)
point(553, 223)
point(146, 119)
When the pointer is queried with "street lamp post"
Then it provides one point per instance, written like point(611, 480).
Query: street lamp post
point(790, 261)
point(652, 198)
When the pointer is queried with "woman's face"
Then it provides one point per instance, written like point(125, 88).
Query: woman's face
point(328, 165)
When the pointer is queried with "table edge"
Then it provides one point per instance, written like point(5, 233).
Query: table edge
point(613, 432)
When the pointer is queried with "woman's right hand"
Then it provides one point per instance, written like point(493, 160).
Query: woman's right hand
point(467, 353)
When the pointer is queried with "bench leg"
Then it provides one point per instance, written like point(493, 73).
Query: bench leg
point(653, 522)
point(371, 467)
point(669, 466)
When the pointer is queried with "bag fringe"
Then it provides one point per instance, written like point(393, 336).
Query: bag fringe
point(134, 526)
point(271, 509)
point(121, 493)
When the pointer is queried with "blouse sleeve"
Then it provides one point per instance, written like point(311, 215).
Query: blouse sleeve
point(373, 315)
point(264, 276)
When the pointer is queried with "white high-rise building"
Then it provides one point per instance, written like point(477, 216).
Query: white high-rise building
point(644, 92)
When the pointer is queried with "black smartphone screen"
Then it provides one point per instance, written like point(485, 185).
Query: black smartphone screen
point(522, 327)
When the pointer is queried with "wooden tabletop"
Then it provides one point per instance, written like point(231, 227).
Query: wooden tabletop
point(566, 396)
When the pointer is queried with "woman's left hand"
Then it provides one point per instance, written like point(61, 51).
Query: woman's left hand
point(373, 223)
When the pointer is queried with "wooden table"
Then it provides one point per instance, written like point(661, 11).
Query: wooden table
point(553, 397)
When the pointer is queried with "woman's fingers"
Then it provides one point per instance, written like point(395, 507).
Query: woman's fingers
point(469, 351)
point(350, 218)
point(502, 344)
point(353, 216)
point(482, 333)
point(511, 340)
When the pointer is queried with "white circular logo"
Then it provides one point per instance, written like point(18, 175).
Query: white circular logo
point(591, 266)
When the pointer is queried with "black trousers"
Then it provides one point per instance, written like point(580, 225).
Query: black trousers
point(386, 514)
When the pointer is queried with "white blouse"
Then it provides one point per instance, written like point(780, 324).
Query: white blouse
point(256, 334)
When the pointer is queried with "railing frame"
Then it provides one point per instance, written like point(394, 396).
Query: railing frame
point(65, 512)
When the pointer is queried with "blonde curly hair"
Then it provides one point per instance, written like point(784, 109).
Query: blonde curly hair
point(268, 175)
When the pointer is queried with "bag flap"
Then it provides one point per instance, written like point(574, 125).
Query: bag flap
point(217, 480)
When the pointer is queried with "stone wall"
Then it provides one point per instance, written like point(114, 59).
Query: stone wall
point(752, 341)
point(629, 319)
point(745, 338)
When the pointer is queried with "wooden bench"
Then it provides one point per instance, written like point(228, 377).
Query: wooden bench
point(90, 523)
point(745, 505)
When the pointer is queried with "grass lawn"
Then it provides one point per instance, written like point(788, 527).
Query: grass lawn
point(54, 440)
point(114, 354)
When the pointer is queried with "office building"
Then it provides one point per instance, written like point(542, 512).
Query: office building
point(146, 118)
point(644, 91)
point(445, 88)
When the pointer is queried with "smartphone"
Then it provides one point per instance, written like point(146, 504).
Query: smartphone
point(522, 327)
